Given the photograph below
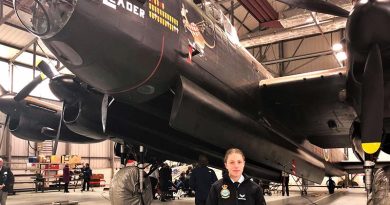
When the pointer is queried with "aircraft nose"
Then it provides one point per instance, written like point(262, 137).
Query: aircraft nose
point(44, 18)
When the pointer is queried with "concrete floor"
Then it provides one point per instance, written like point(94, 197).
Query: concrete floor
point(100, 197)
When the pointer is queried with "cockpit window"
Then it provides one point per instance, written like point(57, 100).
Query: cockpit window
point(214, 11)
point(44, 18)
point(230, 31)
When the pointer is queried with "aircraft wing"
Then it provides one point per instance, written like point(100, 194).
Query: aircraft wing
point(312, 105)
point(357, 167)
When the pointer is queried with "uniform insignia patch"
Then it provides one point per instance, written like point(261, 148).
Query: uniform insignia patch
point(225, 193)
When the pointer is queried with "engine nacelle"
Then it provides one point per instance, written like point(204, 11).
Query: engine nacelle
point(84, 116)
point(26, 128)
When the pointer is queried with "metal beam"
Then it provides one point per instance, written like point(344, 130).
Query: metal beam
point(34, 58)
point(293, 33)
point(1, 9)
point(11, 70)
point(238, 20)
point(301, 57)
point(223, 1)
point(24, 49)
point(246, 16)
point(233, 7)
point(263, 56)
point(295, 52)
point(7, 16)
point(16, 26)
point(323, 35)
point(41, 54)
point(232, 12)
point(303, 64)
point(15, 63)
point(281, 55)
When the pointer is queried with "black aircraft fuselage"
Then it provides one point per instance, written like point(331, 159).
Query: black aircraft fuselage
point(135, 52)
point(179, 77)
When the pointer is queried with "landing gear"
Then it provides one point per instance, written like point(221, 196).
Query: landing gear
point(380, 187)
point(368, 174)
point(368, 152)
point(131, 185)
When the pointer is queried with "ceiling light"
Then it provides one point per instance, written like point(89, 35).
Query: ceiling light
point(337, 47)
point(341, 56)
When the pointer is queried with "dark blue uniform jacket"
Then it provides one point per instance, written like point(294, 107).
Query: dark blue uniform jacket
point(224, 192)
point(201, 180)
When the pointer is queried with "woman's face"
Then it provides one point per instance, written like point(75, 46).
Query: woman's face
point(235, 165)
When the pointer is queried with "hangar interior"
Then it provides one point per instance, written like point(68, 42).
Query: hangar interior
point(287, 41)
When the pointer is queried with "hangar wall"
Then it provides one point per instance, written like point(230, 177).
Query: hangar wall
point(300, 55)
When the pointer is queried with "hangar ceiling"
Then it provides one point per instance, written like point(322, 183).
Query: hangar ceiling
point(260, 23)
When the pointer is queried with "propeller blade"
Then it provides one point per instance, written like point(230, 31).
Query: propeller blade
point(372, 98)
point(318, 6)
point(54, 151)
point(28, 88)
point(104, 112)
point(47, 70)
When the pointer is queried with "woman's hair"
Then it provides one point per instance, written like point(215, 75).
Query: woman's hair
point(231, 151)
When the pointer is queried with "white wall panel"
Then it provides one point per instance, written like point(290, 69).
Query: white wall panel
point(19, 163)
point(19, 147)
point(79, 149)
point(99, 163)
point(5, 78)
point(101, 149)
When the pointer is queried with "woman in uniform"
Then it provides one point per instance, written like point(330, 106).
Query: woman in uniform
point(235, 188)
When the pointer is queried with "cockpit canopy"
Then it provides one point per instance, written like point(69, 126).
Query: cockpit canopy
point(44, 18)
point(213, 10)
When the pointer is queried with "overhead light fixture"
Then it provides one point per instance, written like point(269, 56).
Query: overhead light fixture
point(341, 56)
point(337, 47)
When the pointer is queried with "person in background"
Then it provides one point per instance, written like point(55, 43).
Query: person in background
point(154, 182)
point(201, 180)
point(187, 187)
point(331, 185)
point(285, 180)
point(235, 187)
point(165, 181)
point(180, 183)
point(6, 182)
point(87, 174)
point(66, 177)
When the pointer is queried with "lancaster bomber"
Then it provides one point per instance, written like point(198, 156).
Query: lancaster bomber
point(172, 76)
